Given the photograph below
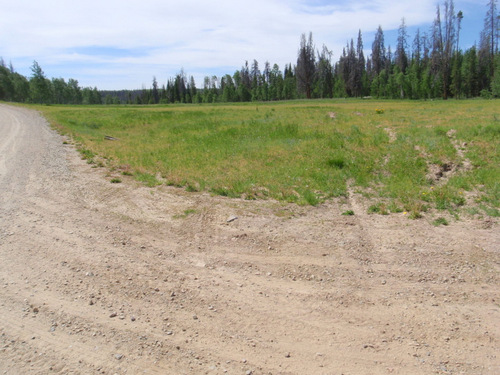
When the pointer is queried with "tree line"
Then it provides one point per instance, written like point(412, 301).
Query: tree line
point(39, 89)
point(431, 65)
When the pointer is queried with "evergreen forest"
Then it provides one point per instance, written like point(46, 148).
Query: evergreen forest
point(427, 65)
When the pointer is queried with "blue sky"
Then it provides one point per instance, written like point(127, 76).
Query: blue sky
point(114, 44)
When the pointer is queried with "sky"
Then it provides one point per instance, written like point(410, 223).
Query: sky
point(116, 44)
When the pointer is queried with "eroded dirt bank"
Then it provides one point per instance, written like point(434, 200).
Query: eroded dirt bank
point(101, 278)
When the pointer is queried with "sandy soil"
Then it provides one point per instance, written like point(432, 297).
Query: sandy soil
point(101, 278)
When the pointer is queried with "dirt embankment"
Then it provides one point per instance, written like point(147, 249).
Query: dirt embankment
point(100, 278)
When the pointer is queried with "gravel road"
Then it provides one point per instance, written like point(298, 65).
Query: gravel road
point(101, 278)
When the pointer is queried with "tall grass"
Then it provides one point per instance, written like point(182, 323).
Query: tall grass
point(295, 151)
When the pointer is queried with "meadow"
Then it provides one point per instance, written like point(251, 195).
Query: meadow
point(405, 156)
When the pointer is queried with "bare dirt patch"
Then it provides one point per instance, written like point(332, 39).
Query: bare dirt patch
point(118, 278)
point(441, 173)
point(391, 134)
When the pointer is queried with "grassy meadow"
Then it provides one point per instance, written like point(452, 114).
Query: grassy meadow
point(400, 154)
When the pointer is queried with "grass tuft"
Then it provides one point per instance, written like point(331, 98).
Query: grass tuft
point(185, 213)
point(440, 221)
point(378, 208)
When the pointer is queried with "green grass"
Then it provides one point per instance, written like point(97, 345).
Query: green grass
point(147, 178)
point(440, 221)
point(294, 151)
point(185, 214)
point(348, 213)
point(378, 208)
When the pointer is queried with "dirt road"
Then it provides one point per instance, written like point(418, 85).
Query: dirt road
point(101, 278)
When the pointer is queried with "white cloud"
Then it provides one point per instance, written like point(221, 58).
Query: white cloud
point(162, 36)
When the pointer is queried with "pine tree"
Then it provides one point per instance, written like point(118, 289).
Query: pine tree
point(74, 94)
point(59, 91)
point(360, 66)
point(495, 82)
point(456, 69)
point(415, 74)
point(275, 83)
point(155, 95)
point(470, 73)
point(456, 75)
point(255, 76)
point(350, 70)
point(21, 88)
point(443, 41)
point(306, 66)
point(460, 17)
point(289, 83)
point(401, 55)
point(488, 45)
point(40, 89)
point(228, 89)
point(324, 75)
point(193, 92)
point(378, 52)
point(6, 86)
point(266, 73)
point(242, 82)
point(448, 43)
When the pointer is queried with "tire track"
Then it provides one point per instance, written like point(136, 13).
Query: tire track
point(282, 290)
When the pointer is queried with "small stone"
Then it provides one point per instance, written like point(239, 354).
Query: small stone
point(118, 356)
point(113, 314)
point(231, 219)
point(195, 317)
point(384, 282)
point(287, 355)
point(132, 318)
point(170, 333)
point(249, 372)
